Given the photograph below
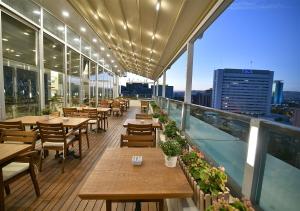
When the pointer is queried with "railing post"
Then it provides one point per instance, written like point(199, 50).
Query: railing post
point(163, 94)
point(183, 116)
point(168, 106)
point(255, 162)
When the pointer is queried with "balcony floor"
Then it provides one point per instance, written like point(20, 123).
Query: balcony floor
point(59, 191)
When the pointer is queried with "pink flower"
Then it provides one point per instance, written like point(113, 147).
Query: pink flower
point(222, 168)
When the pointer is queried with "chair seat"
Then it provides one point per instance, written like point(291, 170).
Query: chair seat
point(13, 169)
point(115, 109)
point(92, 121)
point(60, 144)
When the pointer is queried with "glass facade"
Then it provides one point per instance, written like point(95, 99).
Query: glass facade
point(20, 68)
point(65, 78)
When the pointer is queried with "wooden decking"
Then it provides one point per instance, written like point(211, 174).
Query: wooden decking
point(59, 191)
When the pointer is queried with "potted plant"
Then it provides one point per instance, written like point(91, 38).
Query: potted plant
point(46, 112)
point(171, 130)
point(234, 205)
point(155, 117)
point(171, 150)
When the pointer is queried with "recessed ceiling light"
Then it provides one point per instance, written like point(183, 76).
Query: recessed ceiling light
point(157, 5)
point(95, 54)
point(5, 40)
point(36, 12)
point(116, 65)
point(87, 47)
point(17, 55)
point(96, 16)
point(27, 34)
point(53, 46)
point(82, 29)
point(65, 13)
point(94, 40)
point(54, 57)
point(107, 55)
point(153, 36)
point(112, 61)
point(124, 26)
point(102, 48)
point(76, 39)
point(60, 28)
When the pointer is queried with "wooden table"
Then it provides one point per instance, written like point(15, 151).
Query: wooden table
point(7, 153)
point(142, 122)
point(102, 111)
point(72, 122)
point(114, 178)
point(31, 120)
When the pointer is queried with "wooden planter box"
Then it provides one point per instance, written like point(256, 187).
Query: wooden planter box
point(201, 200)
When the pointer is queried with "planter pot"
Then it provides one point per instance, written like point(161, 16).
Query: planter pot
point(201, 200)
point(162, 137)
point(170, 161)
point(155, 120)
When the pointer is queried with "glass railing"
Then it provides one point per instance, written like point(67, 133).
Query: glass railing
point(280, 174)
point(223, 137)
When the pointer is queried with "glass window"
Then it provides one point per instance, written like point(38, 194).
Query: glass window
point(73, 39)
point(27, 8)
point(93, 83)
point(54, 73)
point(85, 80)
point(73, 79)
point(100, 82)
point(20, 69)
point(53, 25)
point(94, 55)
point(85, 48)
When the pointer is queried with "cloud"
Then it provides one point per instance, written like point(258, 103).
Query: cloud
point(262, 4)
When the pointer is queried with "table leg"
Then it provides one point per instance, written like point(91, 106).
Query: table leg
point(108, 205)
point(80, 144)
point(1, 191)
point(161, 205)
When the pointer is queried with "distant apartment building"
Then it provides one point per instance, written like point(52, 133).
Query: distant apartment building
point(277, 93)
point(169, 91)
point(132, 89)
point(243, 91)
point(296, 117)
point(203, 98)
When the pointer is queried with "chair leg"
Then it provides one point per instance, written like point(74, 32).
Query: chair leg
point(41, 160)
point(87, 139)
point(7, 189)
point(1, 192)
point(34, 181)
point(80, 147)
point(63, 160)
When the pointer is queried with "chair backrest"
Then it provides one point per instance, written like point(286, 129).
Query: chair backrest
point(17, 125)
point(92, 112)
point(145, 129)
point(115, 104)
point(55, 114)
point(17, 136)
point(68, 112)
point(144, 103)
point(138, 141)
point(52, 132)
point(143, 116)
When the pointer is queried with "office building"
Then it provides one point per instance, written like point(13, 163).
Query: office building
point(202, 97)
point(133, 89)
point(169, 91)
point(277, 93)
point(243, 91)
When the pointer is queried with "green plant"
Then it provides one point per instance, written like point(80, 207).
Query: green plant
point(163, 118)
point(46, 111)
point(183, 143)
point(236, 205)
point(189, 158)
point(171, 130)
point(155, 115)
point(170, 148)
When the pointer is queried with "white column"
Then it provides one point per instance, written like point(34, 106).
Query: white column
point(156, 89)
point(66, 70)
point(2, 95)
point(97, 85)
point(164, 84)
point(40, 53)
point(189, 72)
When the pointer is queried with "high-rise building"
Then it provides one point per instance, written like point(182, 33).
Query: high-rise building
point(132, 89)
point(243, 91)
point(169, 91)
point(277, 93)
point(202, 97)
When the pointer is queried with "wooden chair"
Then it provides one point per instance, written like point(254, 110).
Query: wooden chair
point(68, 112)
point(94, 118)
point(22, 164)
point(143, 116)
point(54, 137)
point(55, 114)
point(11, 126)
point(116, 108)
point(84, 127)
point(144, 106)
point(145, 129)
point(137, 141)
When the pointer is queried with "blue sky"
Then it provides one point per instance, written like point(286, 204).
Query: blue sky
point(257, 34)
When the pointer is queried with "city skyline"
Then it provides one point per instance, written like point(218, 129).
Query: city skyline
point(266, 38)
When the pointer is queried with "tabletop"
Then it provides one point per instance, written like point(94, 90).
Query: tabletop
point(31, 120)
point(9, 151)
point(69, 122)
point(141, 122)
point(99, 109)
point(115, 178)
